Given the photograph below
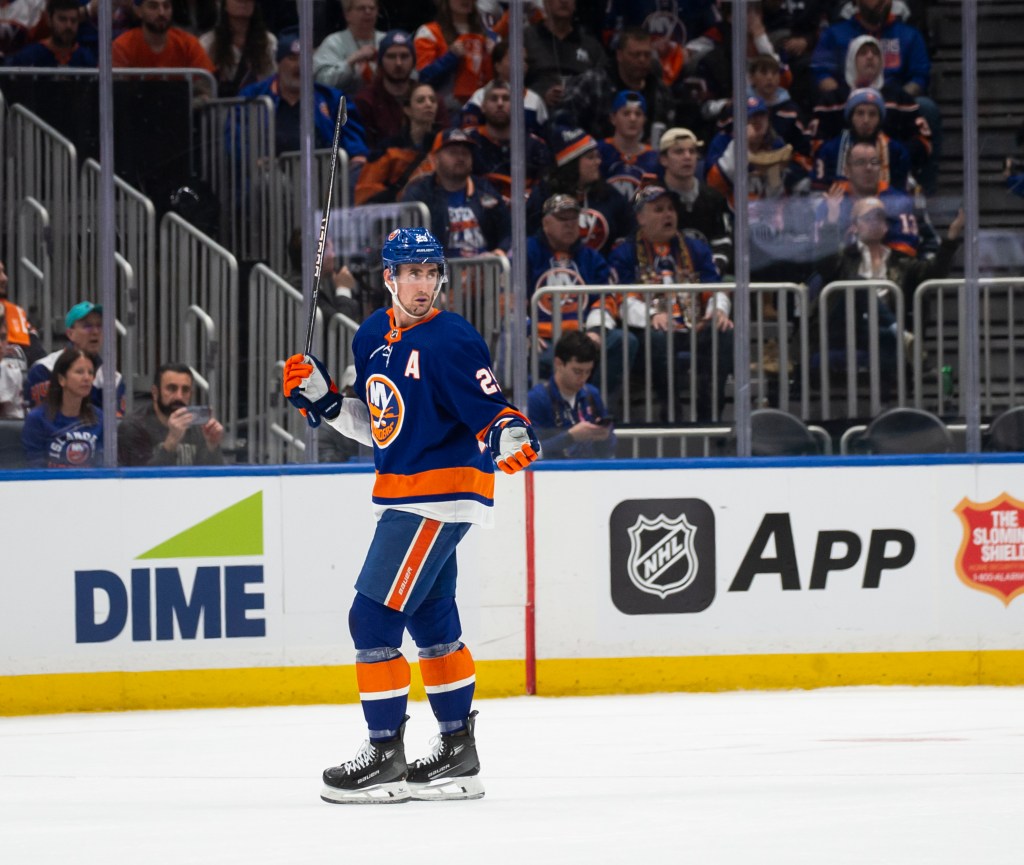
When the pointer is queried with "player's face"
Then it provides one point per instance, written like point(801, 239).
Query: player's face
point(396, 63)
point(415, 285)
point(590, 167)
point(865, 120)
point(680, 160)
point(87, 333)
point(571, 375)
point(175, 392)
point(155, 15)
point(863, 168)
point(64, 27)
point(658, 219)
point(629, 120)
point(78, 381)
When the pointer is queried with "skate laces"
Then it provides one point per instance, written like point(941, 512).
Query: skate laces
point(436, 749)
point(363, 759)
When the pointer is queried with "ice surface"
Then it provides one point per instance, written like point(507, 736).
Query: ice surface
point(858, 775)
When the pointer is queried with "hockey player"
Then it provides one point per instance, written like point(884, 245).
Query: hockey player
point(428, 400)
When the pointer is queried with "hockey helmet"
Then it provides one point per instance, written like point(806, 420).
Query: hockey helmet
point(413, 246)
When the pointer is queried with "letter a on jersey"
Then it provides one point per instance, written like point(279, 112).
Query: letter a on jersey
point(387, 411)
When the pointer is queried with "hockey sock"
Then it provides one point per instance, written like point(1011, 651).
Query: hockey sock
point(449, 678)
point(383, 691)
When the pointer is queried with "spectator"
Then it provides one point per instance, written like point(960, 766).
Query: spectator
point(239, 46)
point(681, 19)
point(492, 156)
point(786, 116)
point(702, 210)
point(534, 109)
point(19, 20)
point(156, 43)
point(12, 375)
point(626, 162)
point(382, 103)
point(347, 60)
point(285, 91)
point(793, 30)
point(84, 331)
point(558, 258)
point(902, 118)
point(347, 293)
point(865, 112)
point(383, 179)
point(557, 50)
point(164, 432)
point(67, 430)
point(567, 412)
point(589, 97)
point(467, 214)
point(660, 254)
point(605, 216)
point(453, 52)
point(61, 47)
point(21, 335)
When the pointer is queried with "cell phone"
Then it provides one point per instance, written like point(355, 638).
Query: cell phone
point(201, 414)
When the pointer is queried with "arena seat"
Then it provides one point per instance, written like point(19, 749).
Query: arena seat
point(777, 433)
point(906, 431)
point(1006, 432)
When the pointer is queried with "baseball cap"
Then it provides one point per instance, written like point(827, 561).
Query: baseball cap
point(395, 37)
point(560, 204)
point(624, 97)
point(756, 105)
point(452, 136)
point(80, 311)
point(677, 133)
point(647, 195)
point(288, 43)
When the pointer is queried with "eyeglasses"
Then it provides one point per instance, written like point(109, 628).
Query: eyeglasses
point(865, 163)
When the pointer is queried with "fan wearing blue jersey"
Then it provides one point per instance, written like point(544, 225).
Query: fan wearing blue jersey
point(430, 407)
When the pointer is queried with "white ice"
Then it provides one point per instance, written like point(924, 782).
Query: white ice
point(859, 775)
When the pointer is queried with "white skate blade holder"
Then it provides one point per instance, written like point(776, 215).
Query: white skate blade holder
point(378, 794)
point(441, 789)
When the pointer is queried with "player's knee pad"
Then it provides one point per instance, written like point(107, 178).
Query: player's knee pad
point(435, 622)
point(373, 625)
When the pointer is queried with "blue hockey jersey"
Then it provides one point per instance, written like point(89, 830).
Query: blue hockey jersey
point(431, 398)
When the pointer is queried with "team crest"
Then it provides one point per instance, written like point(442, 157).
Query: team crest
point(387, 410)
point(594, 229)
point(991, 554)
point(662, 559)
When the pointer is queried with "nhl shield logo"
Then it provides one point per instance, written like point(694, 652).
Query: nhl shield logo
point(662, 556)
point(662, 559)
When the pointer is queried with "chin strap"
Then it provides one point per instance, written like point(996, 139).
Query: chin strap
point(392, 288)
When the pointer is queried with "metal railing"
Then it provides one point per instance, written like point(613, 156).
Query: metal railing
point(201, 351)
point(477, 290)
point(197, 271)
point(136, 242)
point(288, 209)
point(32, 287)
point(938, 362)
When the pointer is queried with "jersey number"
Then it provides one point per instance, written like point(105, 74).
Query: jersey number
point(487, 383)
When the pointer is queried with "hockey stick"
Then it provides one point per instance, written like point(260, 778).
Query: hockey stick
point(339, 121)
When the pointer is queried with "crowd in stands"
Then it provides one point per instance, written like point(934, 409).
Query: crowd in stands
point(630, 153)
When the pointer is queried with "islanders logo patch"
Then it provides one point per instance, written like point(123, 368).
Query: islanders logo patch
point(387, 411)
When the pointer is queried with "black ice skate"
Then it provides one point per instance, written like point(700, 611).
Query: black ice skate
point(376, 775)
point(452, 771)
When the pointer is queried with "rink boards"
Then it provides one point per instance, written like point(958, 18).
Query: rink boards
point(231, 587)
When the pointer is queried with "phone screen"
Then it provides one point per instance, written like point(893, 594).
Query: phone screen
point(201, 414)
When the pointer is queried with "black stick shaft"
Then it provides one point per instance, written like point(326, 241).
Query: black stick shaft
point(339, 121)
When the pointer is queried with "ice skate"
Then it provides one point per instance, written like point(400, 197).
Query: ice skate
point(377, 775)
point(452, 771)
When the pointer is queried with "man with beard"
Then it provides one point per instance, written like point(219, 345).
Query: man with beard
point(165, 432)
point(492, 156)
point(157, 44)
point(61, 48)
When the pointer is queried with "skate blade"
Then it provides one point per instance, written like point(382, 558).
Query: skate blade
point(442, 789)
point(379, 794)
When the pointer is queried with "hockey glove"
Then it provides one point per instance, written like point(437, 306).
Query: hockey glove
point(309, 387)
point(513, 444)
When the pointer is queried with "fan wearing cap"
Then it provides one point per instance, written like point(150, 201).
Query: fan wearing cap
point(864, 113)
point(626, 161)
point(84, 330)
point(347, 59)
point(285, 91)
point(700, 208)
point(157, 43)
point(558, 258)
point(589, 97)
point(492, 156)
point(605, 216)
point(467, 214)
point(659, 254)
